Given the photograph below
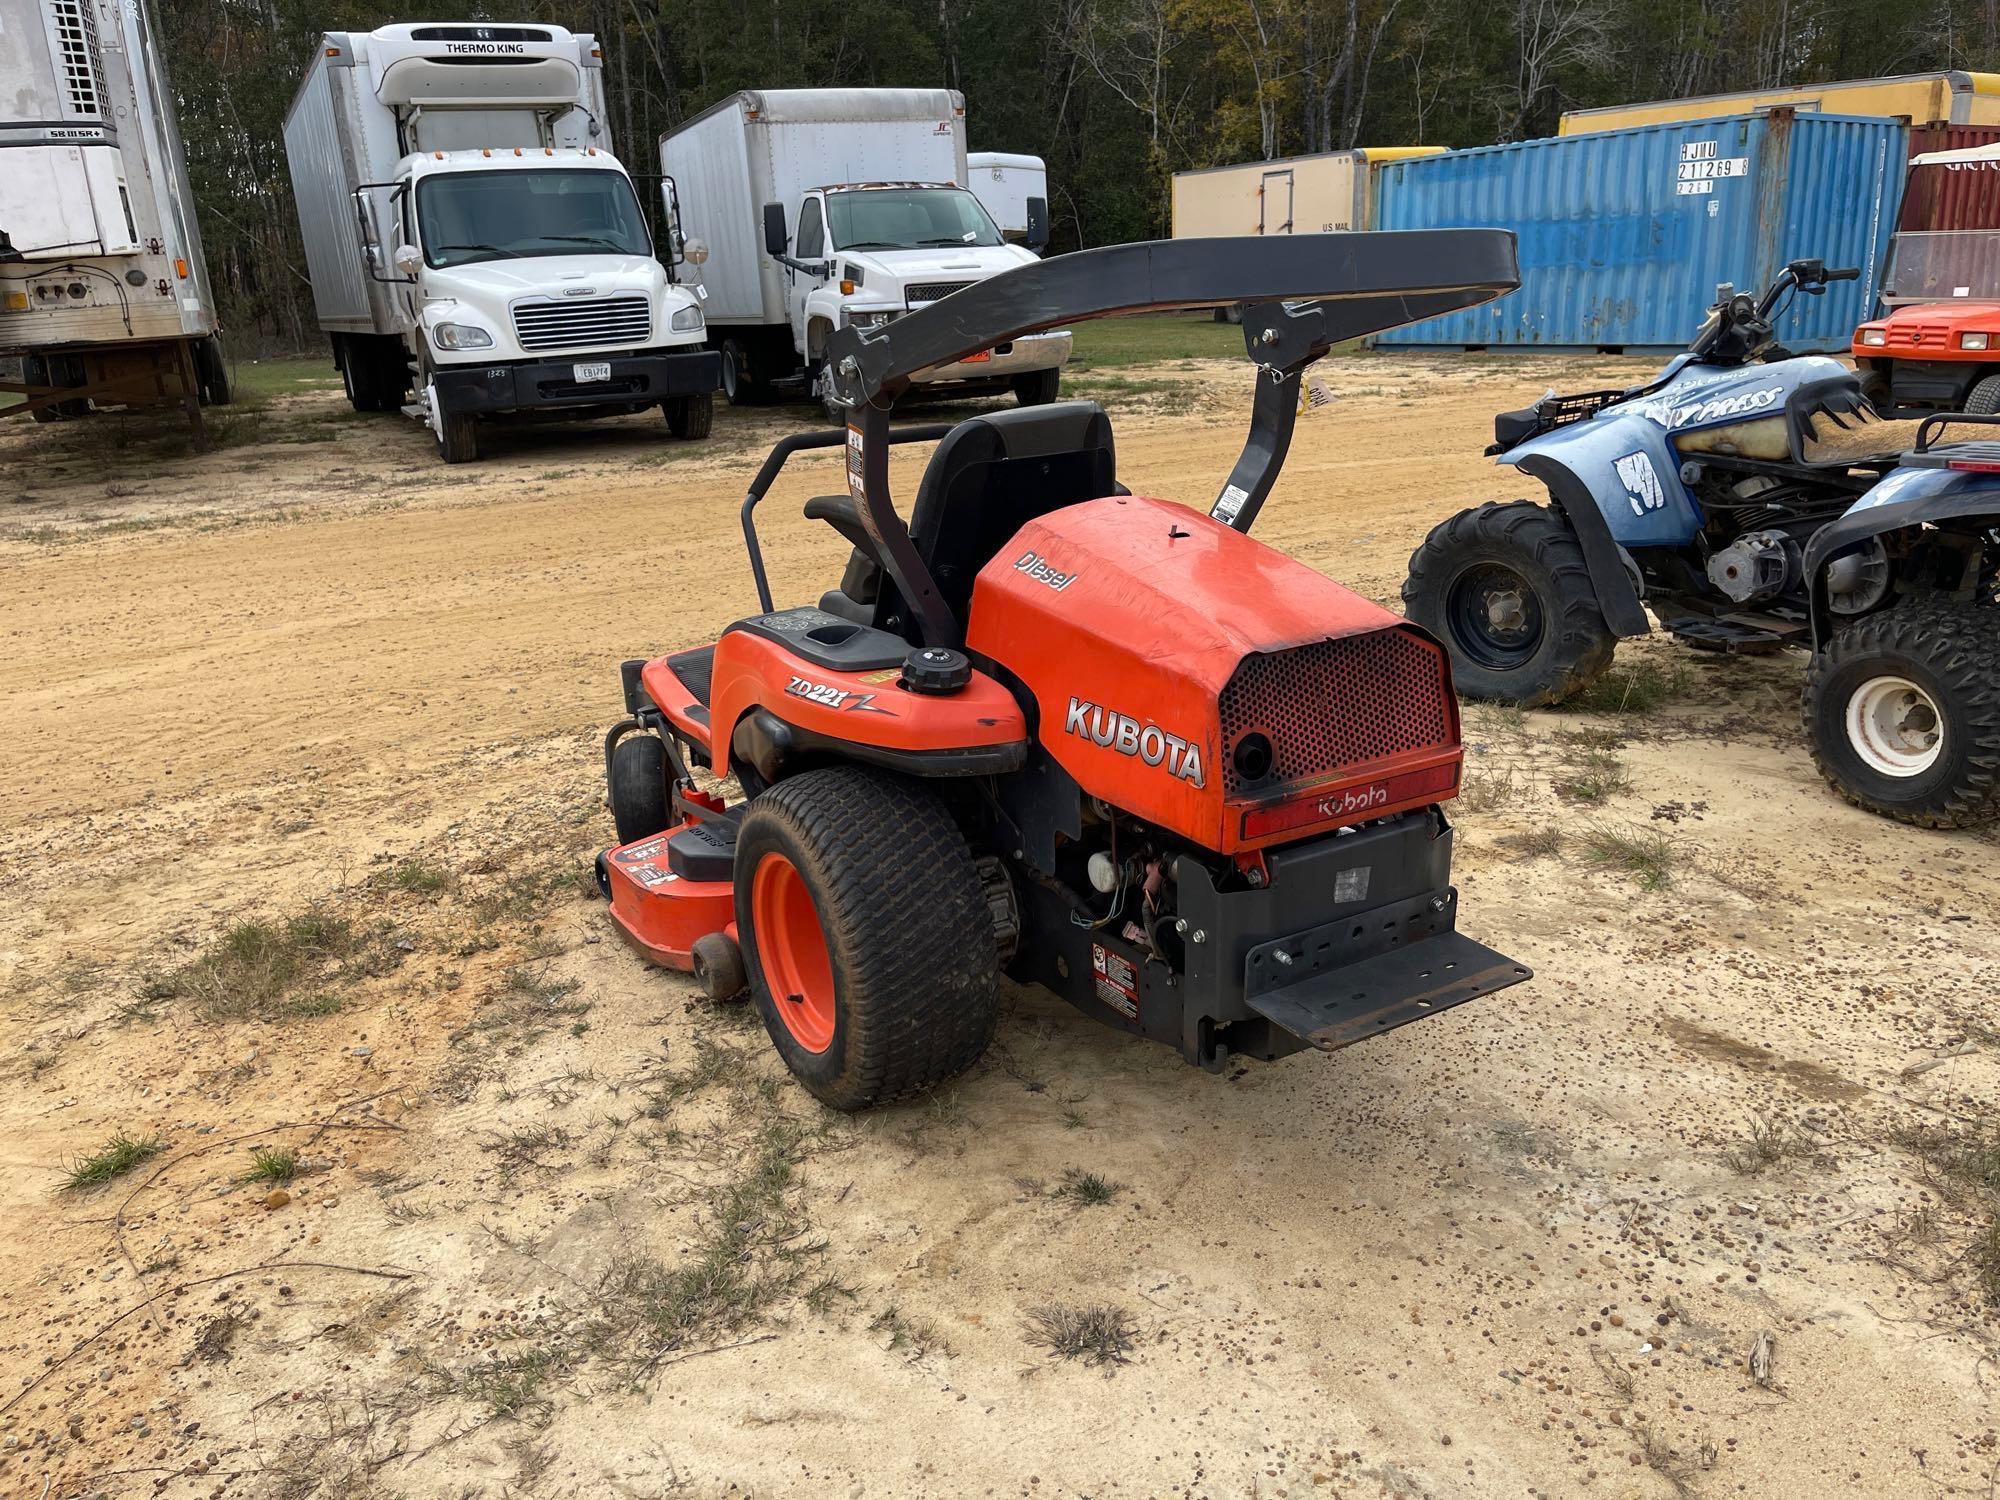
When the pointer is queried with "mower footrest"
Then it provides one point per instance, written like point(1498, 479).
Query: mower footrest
point(703, 851)
point(1336, 1008)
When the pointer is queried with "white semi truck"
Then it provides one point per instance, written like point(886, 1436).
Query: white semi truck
point(825, 208)
point(472, 240)
point(103, 291)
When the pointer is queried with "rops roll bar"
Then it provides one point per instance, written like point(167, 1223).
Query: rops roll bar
point(1301, 295)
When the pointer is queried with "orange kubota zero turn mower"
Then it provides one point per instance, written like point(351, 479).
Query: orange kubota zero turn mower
point(1049, 728)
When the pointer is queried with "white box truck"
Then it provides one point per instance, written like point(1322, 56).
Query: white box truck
point(103, 292)
point(469, 235)
point(823, 208)
point(1004, 182)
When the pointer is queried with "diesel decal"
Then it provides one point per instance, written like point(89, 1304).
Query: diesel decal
point(1120, 732)
point(1037, 567)
point(833, 697)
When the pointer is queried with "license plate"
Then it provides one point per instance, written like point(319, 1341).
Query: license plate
point(585, 373)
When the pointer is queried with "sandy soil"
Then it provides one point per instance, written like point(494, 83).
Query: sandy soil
point(560, 1228)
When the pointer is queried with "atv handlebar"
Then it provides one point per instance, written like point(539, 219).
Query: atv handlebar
point(1739, 326)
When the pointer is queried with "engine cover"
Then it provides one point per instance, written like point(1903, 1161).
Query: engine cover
point(1758, 565)
point(1197, 679)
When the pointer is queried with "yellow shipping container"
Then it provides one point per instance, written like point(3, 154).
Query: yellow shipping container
point(1923, 98)
point(1298, 194)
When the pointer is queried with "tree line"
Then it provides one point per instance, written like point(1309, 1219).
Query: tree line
point(1116, 95)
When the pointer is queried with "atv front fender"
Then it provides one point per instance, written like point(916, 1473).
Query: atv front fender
point(1616, 596)
point(1950, 500)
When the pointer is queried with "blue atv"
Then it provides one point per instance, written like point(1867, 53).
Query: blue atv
point(1751, 501)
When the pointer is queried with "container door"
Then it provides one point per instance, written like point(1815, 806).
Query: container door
point(1275, 199)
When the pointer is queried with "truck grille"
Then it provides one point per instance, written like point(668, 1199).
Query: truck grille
point(614, 322)
point(1336, 704)
point(933, 291)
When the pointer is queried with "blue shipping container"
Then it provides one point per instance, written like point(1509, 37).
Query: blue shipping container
point(1625, 233)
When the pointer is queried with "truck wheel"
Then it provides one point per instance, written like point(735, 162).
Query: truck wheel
point(739, 379)
point(1506, 589)
point(1984, 397)
point(866, 933)
point(456, 432)
point(1902, 710)
point(212, 368)
point(638, 787)
point(690, 417)
point(1038, 387)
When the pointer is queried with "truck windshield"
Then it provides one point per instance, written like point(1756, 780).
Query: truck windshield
point(907, 219)
point(1943, 265)
point(469, 216)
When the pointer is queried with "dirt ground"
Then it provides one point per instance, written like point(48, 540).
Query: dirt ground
point(429, 1188)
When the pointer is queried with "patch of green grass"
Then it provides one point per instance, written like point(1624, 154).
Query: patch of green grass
point(287, 375)
point(1157, 339)
point(1082, 1189)
point(1591, 777)
point(1771, 1142)
point(1168, 394)
point(1637, 688)
point(1097, 1334)
point(276, 1165)
point(419, 877)
point(1535, 843)
point(255, 969)
point(118, 1156)
point(1644, 854)
point(1487, 787)
point(914, 1336)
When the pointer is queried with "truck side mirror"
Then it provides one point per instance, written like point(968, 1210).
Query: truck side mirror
point(1038, 224)
point(409, 259)
point(775, 238)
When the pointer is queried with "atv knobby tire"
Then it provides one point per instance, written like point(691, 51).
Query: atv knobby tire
point(1950, 653)
point(1526, 552)
point(859, 888)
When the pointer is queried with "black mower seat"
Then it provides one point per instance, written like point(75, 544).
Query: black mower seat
point(990, 476)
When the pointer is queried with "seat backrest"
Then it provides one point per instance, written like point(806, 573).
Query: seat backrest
point(993, 474)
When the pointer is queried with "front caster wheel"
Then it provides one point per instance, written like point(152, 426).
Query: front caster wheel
point(1902, 710)
point(866, 933)
point(1506, 589)
point(639, 787)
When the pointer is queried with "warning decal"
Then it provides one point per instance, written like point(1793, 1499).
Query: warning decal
point(1117, 981)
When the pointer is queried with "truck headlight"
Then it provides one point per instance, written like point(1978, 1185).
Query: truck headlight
point(687, 320)
point(1972, 341)
point(1874, 338)
point(461, 336)
point(868, 319)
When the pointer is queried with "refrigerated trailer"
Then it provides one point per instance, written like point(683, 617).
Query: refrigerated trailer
point(104, 296)
point(472, 241)
point(1005, 183)
point(824, 209)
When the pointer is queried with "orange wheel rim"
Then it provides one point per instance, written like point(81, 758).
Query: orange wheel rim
point(791, 949)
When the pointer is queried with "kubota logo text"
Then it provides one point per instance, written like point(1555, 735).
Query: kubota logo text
point(1120, 732)
point(1354, 800)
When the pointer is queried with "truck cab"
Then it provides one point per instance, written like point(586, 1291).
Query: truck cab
point(865, 254)
point(473, 242)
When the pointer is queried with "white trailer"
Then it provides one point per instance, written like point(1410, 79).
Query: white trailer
point(103, 291)
point(871, 185)
point(469, 235)
point(1316, 194)
point(1004, 182)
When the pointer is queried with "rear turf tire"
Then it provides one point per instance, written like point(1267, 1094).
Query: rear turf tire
point(1873, 689)
point(690, 417)
point(1038, 387)
point(639, 787)
point(1505, 587)
point(1984, 397)
point(867, 937)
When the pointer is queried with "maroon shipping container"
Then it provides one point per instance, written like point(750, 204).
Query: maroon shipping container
point(1965, 197)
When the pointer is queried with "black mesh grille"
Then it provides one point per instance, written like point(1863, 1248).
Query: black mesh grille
point(1336, 704)
point(933, 291)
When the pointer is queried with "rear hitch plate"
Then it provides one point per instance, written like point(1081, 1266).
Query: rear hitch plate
point(1331, 1008)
